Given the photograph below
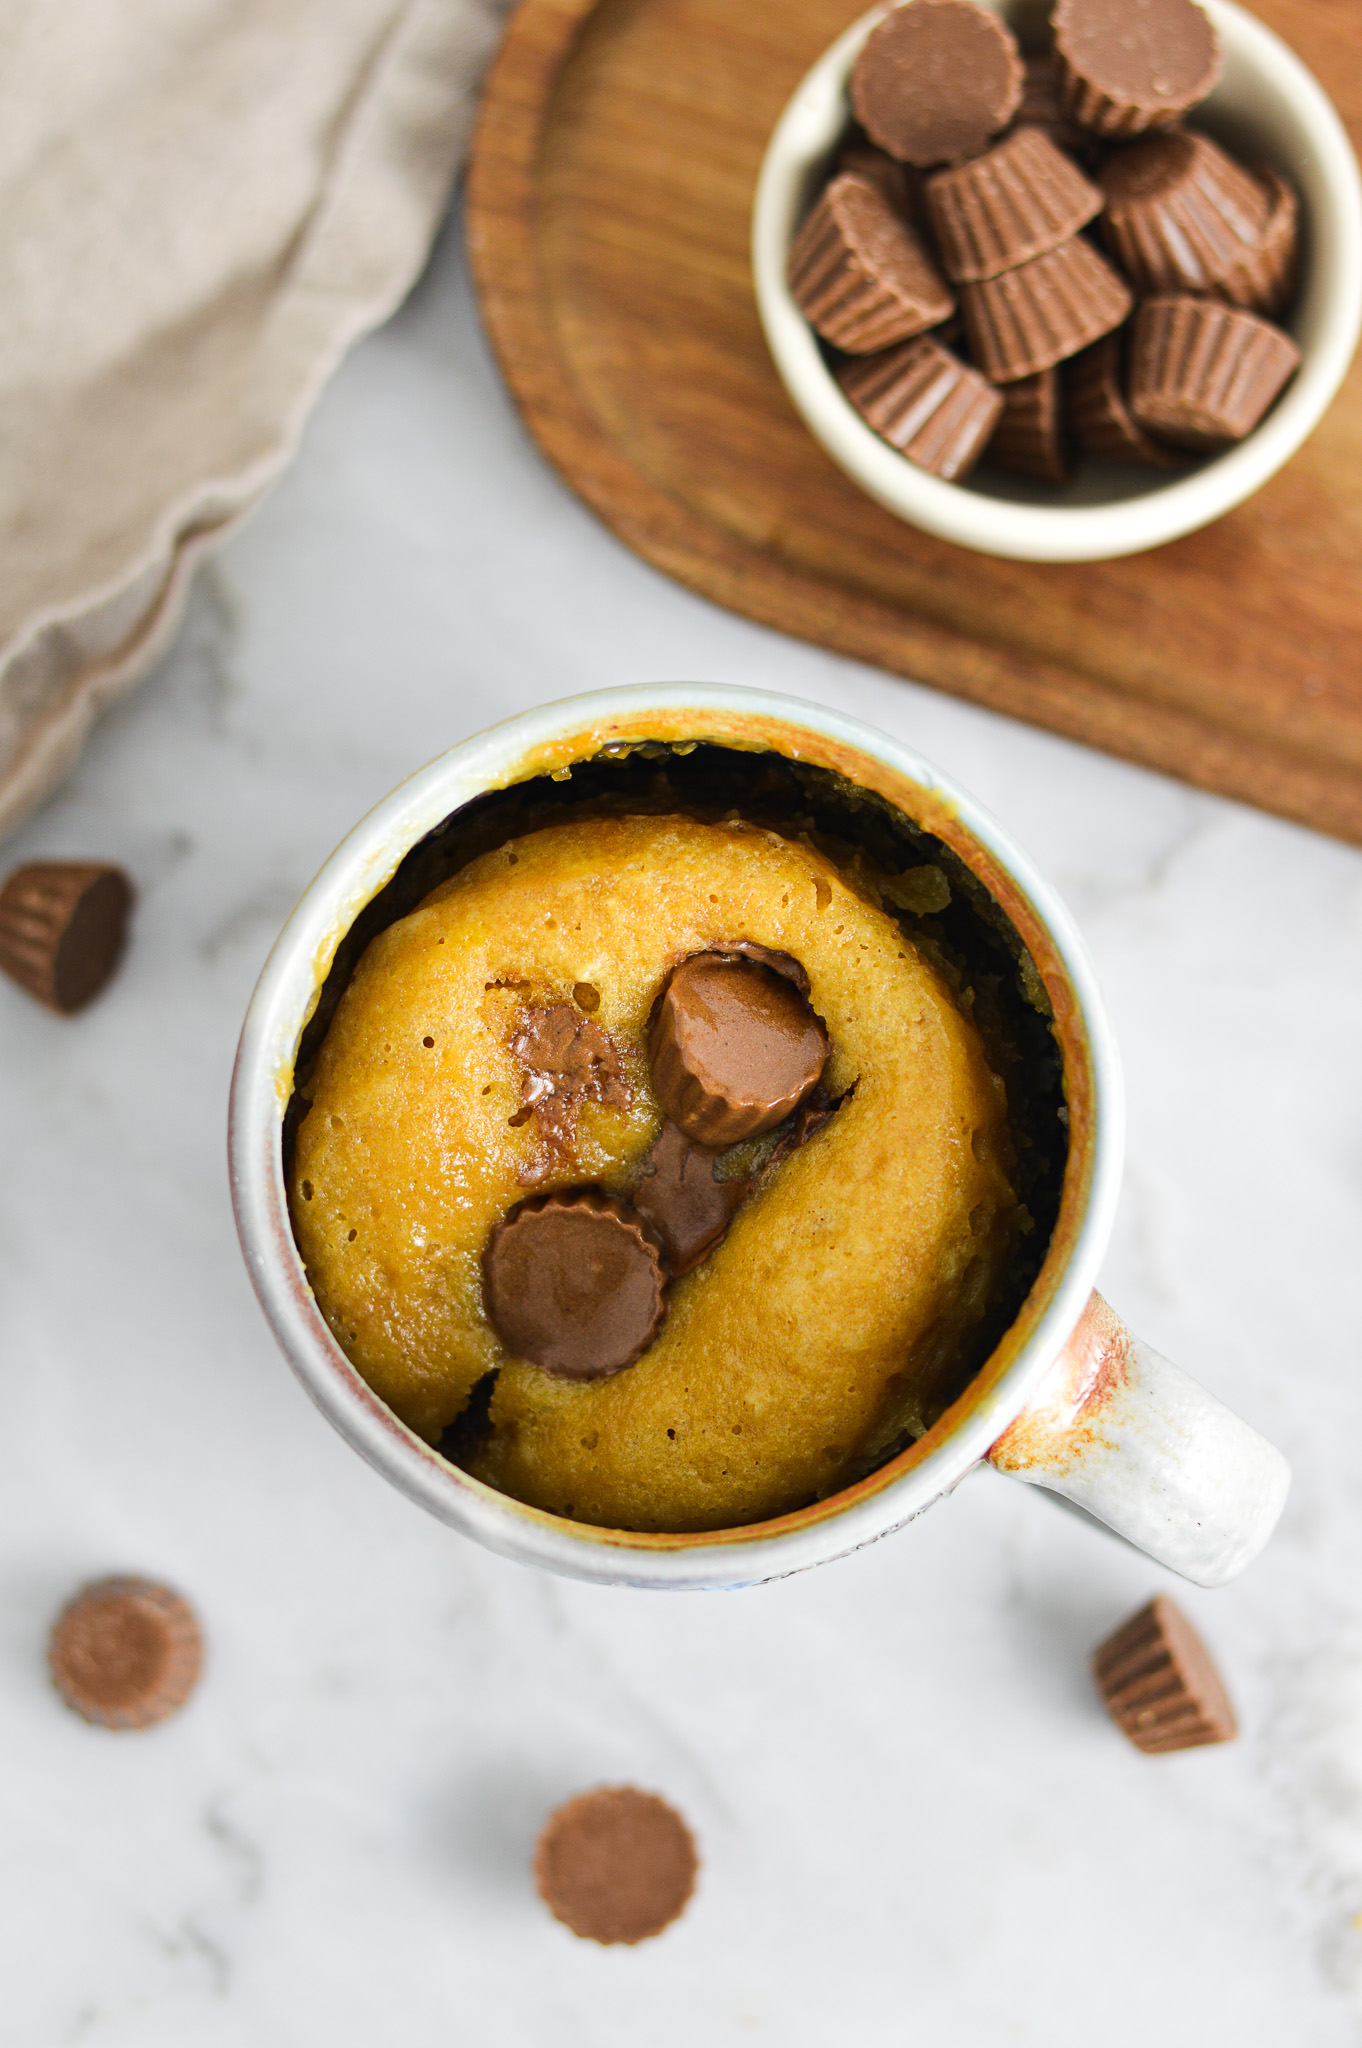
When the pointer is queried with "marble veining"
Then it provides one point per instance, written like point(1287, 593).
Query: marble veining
point(915, 1823)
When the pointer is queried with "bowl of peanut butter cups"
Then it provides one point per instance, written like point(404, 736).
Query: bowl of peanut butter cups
point(1059, 289)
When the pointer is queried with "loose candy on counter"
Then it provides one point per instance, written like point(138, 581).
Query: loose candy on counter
point(616, 1864)
point(63, 928)
point(1156, 1679)
point(126, 1653)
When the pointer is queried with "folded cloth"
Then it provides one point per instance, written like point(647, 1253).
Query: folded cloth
point(202, 204)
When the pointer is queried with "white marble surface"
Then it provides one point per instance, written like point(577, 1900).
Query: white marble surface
point(916, 1825)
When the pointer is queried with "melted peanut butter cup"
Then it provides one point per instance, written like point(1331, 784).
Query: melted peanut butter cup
point(933, 408)
point(573, 1283)
point(1157, 1681)
point(735, 1048)
point(860, 274)
point(1020, 198)
point(1130, 65)
point(935, 80)
point(1180, 215)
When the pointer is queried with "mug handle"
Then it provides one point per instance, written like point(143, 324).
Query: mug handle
point(1120, 1431)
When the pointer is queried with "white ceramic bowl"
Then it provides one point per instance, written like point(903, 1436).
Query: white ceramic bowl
point(1266, 108)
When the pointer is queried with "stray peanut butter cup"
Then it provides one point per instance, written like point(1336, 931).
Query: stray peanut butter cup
point(1202, 374)
point(921, 398)
point(616, 1864)
point(1098, 411)
point(1180, 215)
point(936, 79)
point(1158, 1683)
point(1031, 437)
point(63, 927)
point(573, 1283)
point(1130, 65)
point(860, 273)
point(126, 1653)
point(1028, 318)
point(1020, 198)
point(735, 1048)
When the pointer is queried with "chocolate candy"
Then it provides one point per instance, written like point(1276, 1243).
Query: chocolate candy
point(616, 1864)
point(932, 407)
point(1130, 65)
point(1042, 311)
point(1042, 105)
point(1180, 215)
point(63, 926)
point(573, 1283)
point(679, 1196)
point(1264, 278)
point(935, 80)
point(126, 1653)
point(1098, 411)
point(566, 1060)
point(1030, 437)
point(1022, 197)
point(859, 272)
point(1202, 374)
point(735, 1047)
point(1159, 1685)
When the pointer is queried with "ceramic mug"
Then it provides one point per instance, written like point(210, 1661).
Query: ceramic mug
point(1068, 1399)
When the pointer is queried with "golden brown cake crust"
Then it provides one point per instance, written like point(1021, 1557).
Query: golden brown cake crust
point(803, 1344)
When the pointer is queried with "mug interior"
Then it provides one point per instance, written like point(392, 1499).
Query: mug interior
point(358, 895)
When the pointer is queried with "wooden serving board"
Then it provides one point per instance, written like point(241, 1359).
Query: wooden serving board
point(610, 194)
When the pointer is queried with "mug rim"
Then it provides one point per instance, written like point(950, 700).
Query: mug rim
point(533, 743)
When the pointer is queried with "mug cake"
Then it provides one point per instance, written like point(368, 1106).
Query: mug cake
point(670, 1146)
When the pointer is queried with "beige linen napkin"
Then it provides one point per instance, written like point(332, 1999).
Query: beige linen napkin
point(202, 204)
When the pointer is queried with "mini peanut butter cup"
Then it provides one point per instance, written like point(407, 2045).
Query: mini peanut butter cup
point(900, 183)
point(1020, 198)
point(126, 1653)
point(929, 405)
point(1130, 65)
point(573, 1283)
point(735, 1047)
point(935, 80)
point(1042, 105)
point(860, 274)
point(1180, 215)
point(1098, 411)
point(616, 1864)
point(1202, 374)
point(63, 927)
point(1031, 437)
point(1026, 319)
point(1263, 280)
point(1158, 1683)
